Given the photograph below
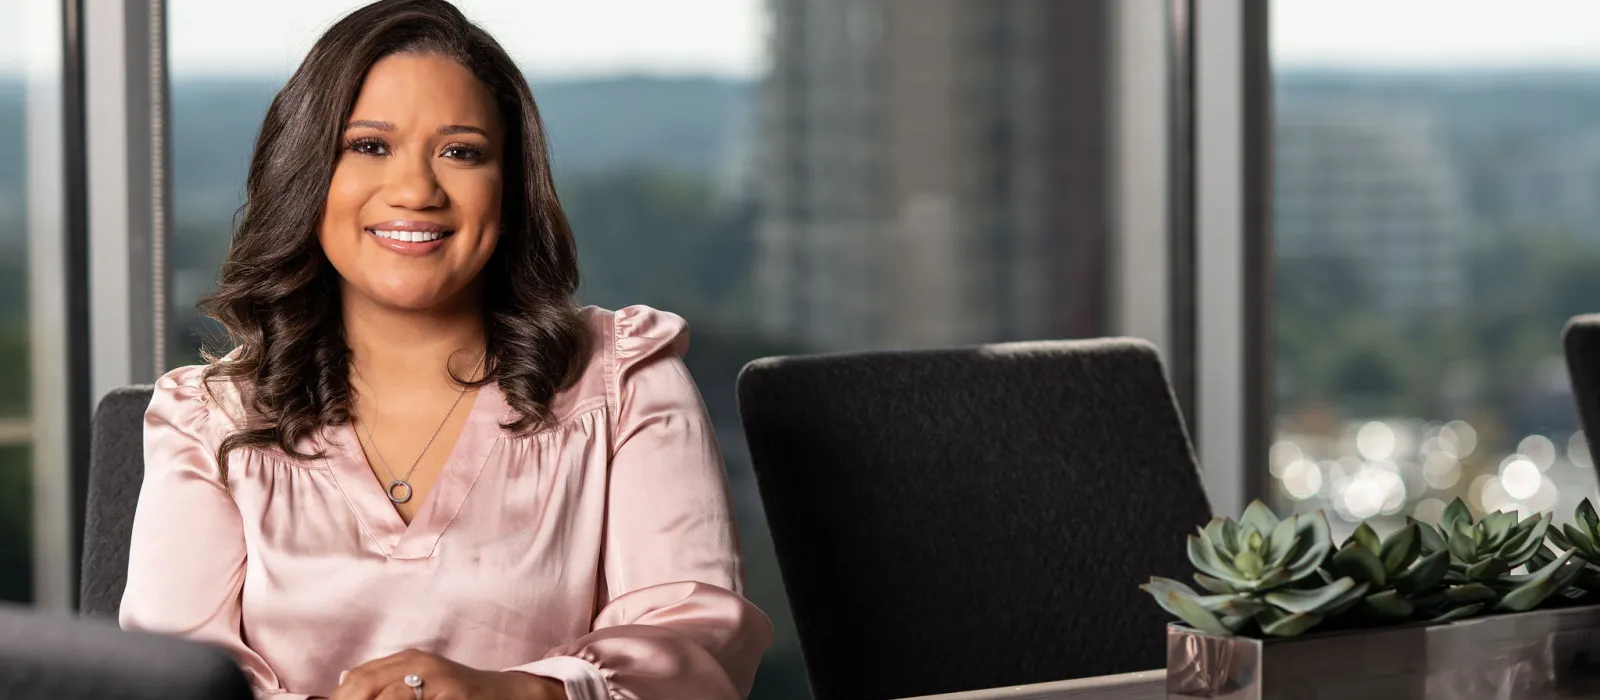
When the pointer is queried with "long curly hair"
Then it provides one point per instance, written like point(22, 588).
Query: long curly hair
point(291, 361)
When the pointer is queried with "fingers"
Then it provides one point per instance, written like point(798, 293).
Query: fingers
point(397, 691)
point(370, 688)
point(358, 685)
point(381, 679)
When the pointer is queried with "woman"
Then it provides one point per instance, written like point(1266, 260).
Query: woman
point(424, 472)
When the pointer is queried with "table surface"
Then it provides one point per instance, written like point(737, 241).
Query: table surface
point(1144, 685)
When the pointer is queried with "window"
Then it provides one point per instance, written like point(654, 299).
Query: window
point(1435, 176)
point(777, 172)
point(30, 212)
point(34, 328)
point(16, 491)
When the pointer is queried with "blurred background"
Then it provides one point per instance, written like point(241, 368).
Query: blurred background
point(1412, 213)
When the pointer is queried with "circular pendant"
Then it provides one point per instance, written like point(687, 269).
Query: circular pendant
point(399, 491)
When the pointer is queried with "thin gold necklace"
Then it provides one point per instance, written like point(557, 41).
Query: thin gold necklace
point(399, 489)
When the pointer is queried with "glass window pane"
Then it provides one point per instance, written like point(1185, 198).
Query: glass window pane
point(1437, 165)
point(16, 491)
point(791, 176)
point(30, 67)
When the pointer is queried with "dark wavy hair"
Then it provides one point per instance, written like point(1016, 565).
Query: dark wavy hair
point(292, 362)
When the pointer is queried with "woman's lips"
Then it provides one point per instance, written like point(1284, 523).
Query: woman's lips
point(407, 238)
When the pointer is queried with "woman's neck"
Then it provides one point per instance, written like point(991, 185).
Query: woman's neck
point(396, 350)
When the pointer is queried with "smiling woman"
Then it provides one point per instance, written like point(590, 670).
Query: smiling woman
point(406, 85)
point(314, 501)
point(420, 175)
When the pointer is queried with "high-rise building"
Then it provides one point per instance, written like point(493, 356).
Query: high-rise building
point(1555, 190)
point(1373, 186)
point(932, 171)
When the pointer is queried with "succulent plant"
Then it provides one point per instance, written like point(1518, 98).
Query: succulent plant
point(1259, 570)
point(1582, 538)
point(1482, 557)
point(1395, 570)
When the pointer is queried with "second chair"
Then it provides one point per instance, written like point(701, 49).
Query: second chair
point(960, 519)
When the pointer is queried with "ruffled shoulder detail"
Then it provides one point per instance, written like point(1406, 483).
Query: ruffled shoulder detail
point(642, 338)
point(642, 333)
point(183, 399)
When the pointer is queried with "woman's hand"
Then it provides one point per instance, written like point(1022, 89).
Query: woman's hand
point(442, 679)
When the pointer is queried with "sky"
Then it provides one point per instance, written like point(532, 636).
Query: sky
point(1435, 34)
point(727, 37)
point(548, 37)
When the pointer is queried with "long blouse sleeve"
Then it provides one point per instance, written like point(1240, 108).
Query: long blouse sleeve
point(186, 560)
point(674, 624)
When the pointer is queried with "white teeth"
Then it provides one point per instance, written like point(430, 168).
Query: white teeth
point(409, 236)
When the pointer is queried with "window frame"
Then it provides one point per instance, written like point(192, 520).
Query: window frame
point(1232, 251)
point(98, 272)
point(58, 290)
point(1192, 224)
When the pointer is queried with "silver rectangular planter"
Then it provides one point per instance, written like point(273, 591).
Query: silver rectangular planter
point(1539, 655)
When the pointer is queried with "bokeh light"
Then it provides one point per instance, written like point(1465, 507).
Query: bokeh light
point(1302, 479)
point(1380, 470)
point(1578, 451)
point(1539, 450)
point(1376, 441)
point(1458, 438)
point(1520, 477)
point(1441, 470)
point(1361, 499)
point(1284, 453)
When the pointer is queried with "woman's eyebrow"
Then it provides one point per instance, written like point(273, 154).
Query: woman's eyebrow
point(370, 124)
point(451, 129)
point(446, 130)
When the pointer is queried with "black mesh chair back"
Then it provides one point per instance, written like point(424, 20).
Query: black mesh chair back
point(951, 520)
point(116, 470)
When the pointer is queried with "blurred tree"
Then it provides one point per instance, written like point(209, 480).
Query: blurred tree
point(14, 280)
point(16, 523)
point(1322, 286)
point(655, 237)
point(16, 378)
point(16, 478)
point(1489, 357)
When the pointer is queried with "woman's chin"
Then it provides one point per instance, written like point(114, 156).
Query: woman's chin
point(408, 298)
point(411, 305)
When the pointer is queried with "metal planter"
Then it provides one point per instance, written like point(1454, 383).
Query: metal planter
point(1538, 655)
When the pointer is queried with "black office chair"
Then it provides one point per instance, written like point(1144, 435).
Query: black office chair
point(49, 657)
point(960, 519)
point(1582, 340)
point(116, 470)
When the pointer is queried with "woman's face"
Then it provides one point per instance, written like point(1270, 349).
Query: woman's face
point(413, 211)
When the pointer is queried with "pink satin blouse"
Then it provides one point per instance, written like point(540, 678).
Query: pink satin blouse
point(600, 552)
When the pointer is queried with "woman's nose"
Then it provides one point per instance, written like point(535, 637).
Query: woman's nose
point(411, 184)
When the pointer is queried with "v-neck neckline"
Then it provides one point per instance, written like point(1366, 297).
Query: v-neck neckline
point(462, 467)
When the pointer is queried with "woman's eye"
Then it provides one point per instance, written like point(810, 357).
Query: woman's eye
point(369, 147)
point(466, 153)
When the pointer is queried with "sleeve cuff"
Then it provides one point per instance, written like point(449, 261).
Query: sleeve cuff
point(581, 679)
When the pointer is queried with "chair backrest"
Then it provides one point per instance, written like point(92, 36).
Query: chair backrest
point(49, 657)
point(116, 471)
point(1582, 341)
point(951, 520)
